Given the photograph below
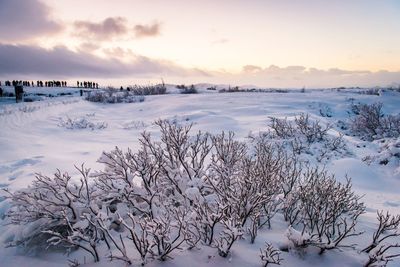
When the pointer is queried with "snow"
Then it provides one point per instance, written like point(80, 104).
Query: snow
point(32, 141)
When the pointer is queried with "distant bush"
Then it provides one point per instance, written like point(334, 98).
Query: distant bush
point(231, 90)
point(158, 89)
point(306, 135)
point(113, 96)
point(81, 123)
point(388, 153)
point(236, 89)
point(394, 89)
point(302, 126)
point(189, 90)
point(371, 123)
point(371, 91)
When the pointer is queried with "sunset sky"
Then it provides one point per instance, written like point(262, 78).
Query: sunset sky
point(311, 43)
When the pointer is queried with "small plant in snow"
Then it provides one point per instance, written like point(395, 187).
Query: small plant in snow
point(270, 255)
point(81, 123)
point(311, 131)
point(167, 234)
point(388, 153)
point(306, 136)
point(252, 230)
point(138, 228)
point(232, 231)
point(134, 125)
point(385, 240)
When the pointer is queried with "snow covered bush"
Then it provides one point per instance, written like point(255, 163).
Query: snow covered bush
point(231, 232)
point(303, 126)
point(323, 210)
point(306, 136)
point(385, 240)
point(270, 255)
point(134, 124)
point(53, 209)
point(387, 154)
point(113, 96)
point(371, 123)
point(311, 130)
point(249, 183)
point(368, 119)
point(188, 90)
point(81, 123)
point(158, 89)
point(371, 91)
point(180, 191)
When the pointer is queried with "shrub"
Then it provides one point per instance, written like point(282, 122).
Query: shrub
point(371, 123)
point(371, 91)
point(81, 123)
point(270, 255)
point(158, 89)
point(187, 90)
point(304, 135)
point(384, 240)
point(303, 126)
point(325, 211)
point(112, 96)
point(183, 190)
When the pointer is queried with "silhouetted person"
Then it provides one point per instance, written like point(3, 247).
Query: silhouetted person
point(19, 92)
point(1, 92)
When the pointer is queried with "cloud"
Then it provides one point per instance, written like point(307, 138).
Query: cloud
point(142, 30)
point(114, 27)
point(108, 28)
point(60, 62)
point(299, 76)
point(119, 53)
point(89, 47)
point(251, 68)
point(25, 19)
point(18, 61)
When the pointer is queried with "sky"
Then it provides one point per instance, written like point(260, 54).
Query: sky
point(266, 43)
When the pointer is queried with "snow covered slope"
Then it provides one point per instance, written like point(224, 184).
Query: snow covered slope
point(61, 132)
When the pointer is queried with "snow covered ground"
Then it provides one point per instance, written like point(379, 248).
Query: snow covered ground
point(60, 132)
